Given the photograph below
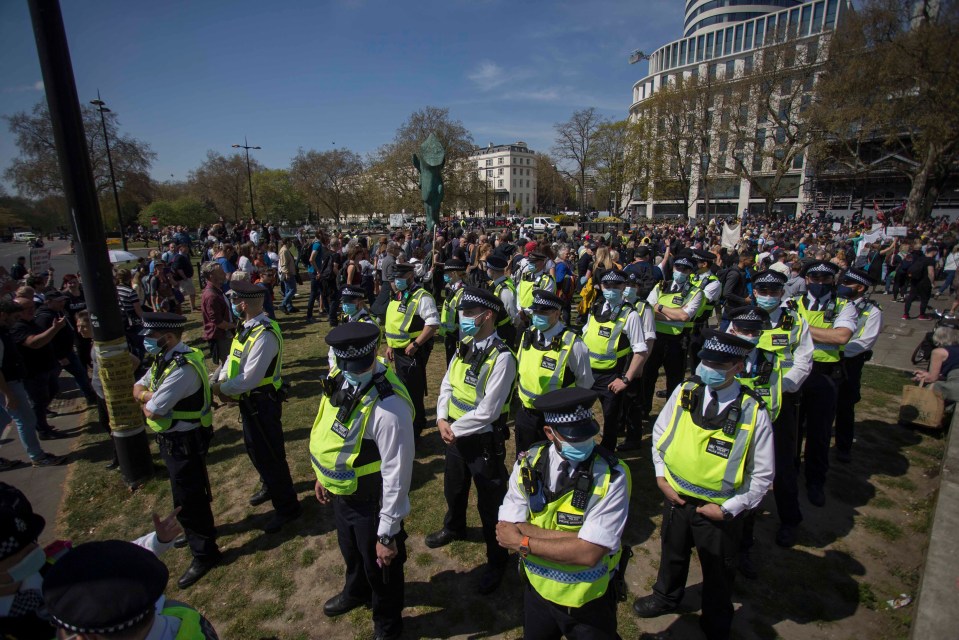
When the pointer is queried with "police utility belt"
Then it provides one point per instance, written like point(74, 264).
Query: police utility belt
point(195, 442)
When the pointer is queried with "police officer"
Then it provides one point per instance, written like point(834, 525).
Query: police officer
point(534, 276)
point(176, 400)
point(613, 335)
point(832, 323)
point(675, 305)
point(564, 513)
point(471, 414)
point(411, 322)
point(504, 288)
point(361, 448)
point(551, 356)
point(453, 272)
point(854, 286)
point(712, 289)
point(635, 293)
point(252, 376)
point(713, 455)
point(113, 589)
point(353, 305)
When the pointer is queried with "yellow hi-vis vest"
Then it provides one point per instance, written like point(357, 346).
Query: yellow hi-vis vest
point(338, 452)
point(822, 319)
point(469, 379)
point(507, 283)
point(449, 323)
point(244, 341)
point(190, 622)
point(701, 281)
point(865, 310)
point(702, 462)
point(674, 300)
point(401, 316)
point(776, 348)
point(528, 283)
point(541, 370)
point(197, 407)
point(605, 340)
point(567, 585)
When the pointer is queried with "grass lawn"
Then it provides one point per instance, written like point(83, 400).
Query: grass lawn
point(865, 547)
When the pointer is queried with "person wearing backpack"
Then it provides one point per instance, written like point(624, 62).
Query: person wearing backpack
point(922, 273)
point(315, 269)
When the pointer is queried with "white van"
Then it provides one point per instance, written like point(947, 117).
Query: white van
point(24, 236)
point(542, 224)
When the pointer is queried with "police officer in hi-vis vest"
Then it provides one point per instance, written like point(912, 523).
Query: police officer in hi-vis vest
point(713, 455)
point(534, 276)
point(550, 356)
point(613, 335)
point(453, 272)
point(853, 286)
point(176, 400)
point(471, 414)
point(564, 514)
point(675, 306)
point(832, 323)
point(252, 377)
point(361, 449)
point(411, 322)
point(504, 288)
point(712, 289)
point(353, 305)
point(634, 413)
point(776, 370)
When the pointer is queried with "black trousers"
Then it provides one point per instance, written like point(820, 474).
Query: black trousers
point(633, 410)
point(42, 389)
point(696, 341)
point(507, 333)
point(669, 352)
point(477, 459)
point(450, 342)
point(412, 372)
point(717, 544)
point(331, 296)
point(263, 437)
point(817, 412)
point(529, 428)
point(921, 290)
point(356, 532)
point(849, 396)
point(544, 620)
point(612, 404)
point(190, 486)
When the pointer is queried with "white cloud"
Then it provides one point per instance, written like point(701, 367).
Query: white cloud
point(23, 88)
point(488, 76)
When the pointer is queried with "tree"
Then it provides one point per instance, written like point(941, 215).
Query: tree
point(184, 211)
point(222, 181)
point(328, 180)
point(275, 196)
point(552, 192)
point(612, 145)
point(36, 172)
point(574, 144)
point(892, 82)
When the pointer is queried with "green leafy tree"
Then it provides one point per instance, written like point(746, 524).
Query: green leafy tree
point(275, 196)
point(328, 180)
point(186, 211)
point(222, 181)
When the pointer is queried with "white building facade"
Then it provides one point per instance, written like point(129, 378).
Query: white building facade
point(722, 38)
point(509, 173)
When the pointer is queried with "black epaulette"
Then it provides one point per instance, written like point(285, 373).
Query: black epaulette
point(577, 330)
point(752, 394)
point(609, 457)
point(383, 386)
point(180, 359)
point(501, 346)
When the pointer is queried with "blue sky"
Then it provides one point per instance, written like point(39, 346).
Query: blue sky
point(188, 76)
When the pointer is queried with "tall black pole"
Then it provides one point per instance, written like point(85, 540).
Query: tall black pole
point(116, 373)
point(113, 179)
point(249, 176)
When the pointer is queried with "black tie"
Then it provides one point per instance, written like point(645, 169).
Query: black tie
point(712, 407)
point(563, 478)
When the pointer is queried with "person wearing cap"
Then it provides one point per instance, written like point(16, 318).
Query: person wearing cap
point(639, 285)
point(712, 289)
point(714, 461)
point(854, 286)
point(832, 323)
point(177, 402)
point(534, 276)
point(64, 342)
point(550, 356)
point(411, 323)
point(564, 514)
point(613, 335)
point(353, 306)
point(87, 597)
point(471, 413)
point(504, 288)
point(361, 449)
point(675, 305)
point(453, 272)
point(252, 376)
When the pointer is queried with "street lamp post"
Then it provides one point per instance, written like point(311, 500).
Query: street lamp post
point(102, 108)
point(249, 174)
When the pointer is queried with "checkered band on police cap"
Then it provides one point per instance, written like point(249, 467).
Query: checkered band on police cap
point(685, 262)
point(577, 414)
point(825, 268)
point(773, 278)
point(354, 352)
point(717, 344)
point(748, 314)
point(857, 276)
point(547, 300)
point(474, 297)
point(246, 290)
point(352, 292)
point(153, 321)
point(614, 277)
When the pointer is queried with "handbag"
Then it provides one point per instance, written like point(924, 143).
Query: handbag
point(921, 406)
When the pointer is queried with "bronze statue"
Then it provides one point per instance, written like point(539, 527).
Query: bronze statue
point(429, 162)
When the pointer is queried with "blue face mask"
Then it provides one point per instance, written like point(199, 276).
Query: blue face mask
point(819, 289)
point(630, 294)
point(237, 311)
point(751, 339)
point(468, 326)
point(348, 308)
point(576, 451)
point(358, 380)
point(710, 377)
point(152, 345)
point(613, 296)
point(401, 284)
point(541, 322)
point(29, 565)
point(845, 292)
point(767, 303)
point(679, 277)
point(447, 278)
point(530, 267)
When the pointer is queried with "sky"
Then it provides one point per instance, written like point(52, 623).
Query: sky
point(190, 76)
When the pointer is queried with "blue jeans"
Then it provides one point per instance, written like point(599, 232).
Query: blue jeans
point(79, 372)
point(25, 419)
point(289, 286)
point(947, 283)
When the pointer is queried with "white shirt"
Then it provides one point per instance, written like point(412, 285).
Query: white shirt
point(633, 329)
point(508, 298)
point(760, 462)
point(603, 520)
point(713, 290)
point(845, 319)
point(255, 237)
point(253, 363)
point(871, 326)
point(427, 310)
point(801, 357)
point(578, 361)
point(245, 264)
point(691, 307)
point(180, 383)
point(495, 394)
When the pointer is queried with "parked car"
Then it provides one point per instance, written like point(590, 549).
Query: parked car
point(24, 236)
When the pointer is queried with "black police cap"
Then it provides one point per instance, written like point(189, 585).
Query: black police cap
point(162, 321)
point(19, 525)
point(354, 345)
point(569, 412)
point(723, 347)
point(475, 297)
point(245, 290)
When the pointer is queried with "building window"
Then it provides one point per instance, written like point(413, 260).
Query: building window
point(709, 46)
point(738, 44)
point(489, 162)
point(527, 172)
point(760, 25)
point(682, 53)
point(748, 43)
point(514, 171)
point(730, 68)
point(729, 40)
point(748, 64)
point(804, 20)
point(712, 71)
point(812, 52)
point(831, 7)
point(527, 184)
point(797, 161)
point(817, 12)
point(500, 171)
point(699, 48)
point(500, 161)
point(499, 183)
point(489, 173)
point(770, 29)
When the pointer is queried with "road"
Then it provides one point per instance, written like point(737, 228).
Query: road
point(60, 257)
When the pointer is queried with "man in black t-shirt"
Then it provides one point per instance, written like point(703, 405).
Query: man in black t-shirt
point(42, 368)
point(922, 273)
point(64, 341)
point(183, 274)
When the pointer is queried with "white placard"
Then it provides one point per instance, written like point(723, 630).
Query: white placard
point(897, 232)
point(836, 226)
point(39, 259)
